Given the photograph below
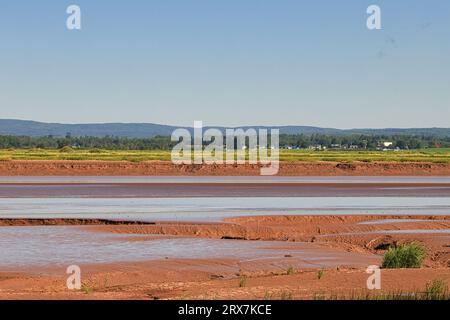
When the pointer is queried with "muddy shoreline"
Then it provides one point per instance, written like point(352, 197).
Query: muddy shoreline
point(66, 222)
point(166, 168)
point(219, 278)
point(359, 233)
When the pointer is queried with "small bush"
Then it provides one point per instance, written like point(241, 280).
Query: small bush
point(404, 256)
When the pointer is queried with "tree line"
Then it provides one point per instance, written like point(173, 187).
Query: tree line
point(164, 142)
point(364, 141)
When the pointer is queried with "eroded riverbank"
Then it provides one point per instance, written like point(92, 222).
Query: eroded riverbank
point(167, 168)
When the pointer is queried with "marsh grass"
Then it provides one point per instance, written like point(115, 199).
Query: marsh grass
point(69, 153)
point(436, 289)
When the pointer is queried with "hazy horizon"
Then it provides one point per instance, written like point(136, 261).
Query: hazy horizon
point(230, 64)
point(220, 125)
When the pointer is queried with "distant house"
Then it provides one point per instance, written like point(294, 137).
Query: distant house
point(385, 145)
point(317, 147)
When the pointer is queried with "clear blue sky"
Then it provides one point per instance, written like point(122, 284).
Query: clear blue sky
point(227, 62)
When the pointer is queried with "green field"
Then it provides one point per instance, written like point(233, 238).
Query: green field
point(425, 155)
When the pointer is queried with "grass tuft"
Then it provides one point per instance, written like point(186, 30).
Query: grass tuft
point(267, 295)
point(437, 290)
point(86, 289)
point(286, 295)
point(434, 290)
point(320, 274)
point(242, 281)
point(290, 271)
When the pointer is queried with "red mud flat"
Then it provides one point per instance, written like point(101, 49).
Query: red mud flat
point(167, 168)
point(222, 278)
point(206, 279)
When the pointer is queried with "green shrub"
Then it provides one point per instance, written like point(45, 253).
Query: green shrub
point(404, 256)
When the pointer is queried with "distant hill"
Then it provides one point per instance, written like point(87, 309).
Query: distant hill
point(142, 130)
point(37, 129)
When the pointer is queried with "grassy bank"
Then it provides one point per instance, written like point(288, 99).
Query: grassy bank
point(425, 155)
